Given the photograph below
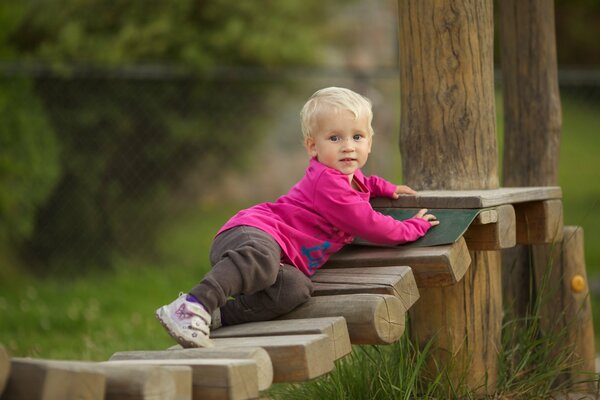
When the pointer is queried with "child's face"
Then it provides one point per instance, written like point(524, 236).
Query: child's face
point(341, 141)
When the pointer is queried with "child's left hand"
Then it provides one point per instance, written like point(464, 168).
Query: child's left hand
point(402, 189)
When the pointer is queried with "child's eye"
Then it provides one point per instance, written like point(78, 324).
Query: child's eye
point(358, 137)
point(334, 139)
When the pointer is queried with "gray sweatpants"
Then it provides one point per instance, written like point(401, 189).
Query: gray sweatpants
point(247, 266)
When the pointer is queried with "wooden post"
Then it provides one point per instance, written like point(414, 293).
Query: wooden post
point(566, 311)
point(532, 119)
point(448, 141)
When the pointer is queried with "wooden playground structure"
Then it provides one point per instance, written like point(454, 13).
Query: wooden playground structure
point(452, 292)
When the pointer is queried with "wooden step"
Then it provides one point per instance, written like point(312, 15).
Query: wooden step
point(257, 354)
point(135, 381)
point(471, 198)
point(4, 368)
point(370, 318)
point(233, 379)
point(395, 281)
point(295, 358)
point(334, 327)
point(493, 229)
point(432, 266)
point(539, 222)
point(37, 379)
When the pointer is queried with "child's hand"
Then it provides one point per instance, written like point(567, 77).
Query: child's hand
point(402, 189)
point(427, 217)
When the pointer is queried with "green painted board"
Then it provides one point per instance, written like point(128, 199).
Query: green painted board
point(453, 224)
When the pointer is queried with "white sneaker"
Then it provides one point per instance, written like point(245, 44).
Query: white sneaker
point(187, 322)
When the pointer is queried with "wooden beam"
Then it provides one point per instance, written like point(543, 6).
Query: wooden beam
point(334, 327)
point(371, 318)
point(500, 234)
point(470, 198)
point(432, 266)
point(539, 222)
point(295, 358)
point(130, 382)
point(182, 377)
point(256, 354)
point(395, 281)
point(4, 368)
point(212, 378)
point(34, 379)
point(561, 281)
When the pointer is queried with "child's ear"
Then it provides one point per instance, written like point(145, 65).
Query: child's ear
point(311, 148)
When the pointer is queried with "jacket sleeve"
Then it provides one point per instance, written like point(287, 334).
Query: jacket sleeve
point(379, 187)
point(350, 212)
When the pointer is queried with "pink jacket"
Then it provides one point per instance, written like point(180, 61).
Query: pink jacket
point(322, 213)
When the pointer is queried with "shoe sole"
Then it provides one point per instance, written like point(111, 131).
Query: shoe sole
point(163, 317)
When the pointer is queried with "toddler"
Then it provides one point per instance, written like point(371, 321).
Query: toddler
point(263, 256)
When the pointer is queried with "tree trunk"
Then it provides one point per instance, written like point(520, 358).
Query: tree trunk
point(448, 141)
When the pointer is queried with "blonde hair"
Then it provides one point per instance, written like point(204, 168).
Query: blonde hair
point(338, 99)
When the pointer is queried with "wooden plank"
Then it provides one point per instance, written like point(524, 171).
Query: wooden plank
point(257, 354)
point(561, 280)
point(487, 216)
point(4, 368)
point(395, 281)
point(182, 377)
point(501, 234)
point(371, 318)
point(212, 378)
point(130, 382)
point(334, 327)
point(295, 358)
point(470, 198)
point(539, 222)
point(432, 266)
point(33, 379)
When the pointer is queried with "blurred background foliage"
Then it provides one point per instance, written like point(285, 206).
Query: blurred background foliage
point(108, 110)
point(80, 130)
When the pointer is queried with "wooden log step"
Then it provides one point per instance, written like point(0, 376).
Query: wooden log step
point(182, 377)
point(493, 229)
point(470, 198)
point(133, 382)
point(295, 358)
point(36, 379)
point(432, 266)
point(257, 354)
point(212, 378)
point(539, 222)
point(4, 368)
point(334, 327)
point(370, 318)
point(395, 281)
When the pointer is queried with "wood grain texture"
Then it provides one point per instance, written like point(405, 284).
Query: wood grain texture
point(475, 198)
point(334, 327)
point(295, 358)
point(567, 307)
point(257, 354)
point(448, 142)
point(431, 266)
point(532, 110)
point(500, 234)
point(539, 222)
point(38, 379)
point(447, 124)
point(212, 378)
point(393, 280)
point(370, 318)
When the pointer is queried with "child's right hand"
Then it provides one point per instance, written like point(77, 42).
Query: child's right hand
point(427, 217)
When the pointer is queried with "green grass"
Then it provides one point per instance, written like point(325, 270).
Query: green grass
point(94, 315)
